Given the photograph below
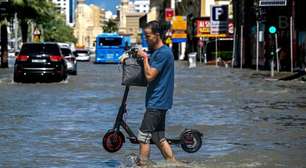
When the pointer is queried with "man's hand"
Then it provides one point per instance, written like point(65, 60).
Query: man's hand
point(142, 54)
point(123, 57)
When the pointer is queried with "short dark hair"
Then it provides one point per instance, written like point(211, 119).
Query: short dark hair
point(155, 26)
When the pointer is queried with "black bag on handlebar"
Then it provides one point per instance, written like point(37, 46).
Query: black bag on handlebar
point(133, 72)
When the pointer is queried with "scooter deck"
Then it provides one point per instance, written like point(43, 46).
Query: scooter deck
point(134, 140)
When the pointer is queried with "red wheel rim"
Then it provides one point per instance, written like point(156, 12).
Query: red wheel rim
point(112, 141)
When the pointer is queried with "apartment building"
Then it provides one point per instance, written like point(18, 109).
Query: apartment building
point(89, 22)
point(66, 8)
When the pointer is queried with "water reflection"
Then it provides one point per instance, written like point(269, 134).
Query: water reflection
point(247, 121)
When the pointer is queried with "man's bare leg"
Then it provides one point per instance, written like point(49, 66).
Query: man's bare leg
point(144, 153)
point(166, 150)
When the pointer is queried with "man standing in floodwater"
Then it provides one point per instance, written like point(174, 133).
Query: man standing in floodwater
point(159, 72)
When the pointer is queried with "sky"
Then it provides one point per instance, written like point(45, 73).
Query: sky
point(106, 4)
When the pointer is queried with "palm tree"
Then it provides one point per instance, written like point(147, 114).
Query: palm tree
point(32, 10)
point(27, 10)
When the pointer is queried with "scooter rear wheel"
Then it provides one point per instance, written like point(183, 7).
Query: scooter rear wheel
point(113, 141)
point(191, 141)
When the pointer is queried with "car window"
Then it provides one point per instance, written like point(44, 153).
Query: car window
point(52, 49)
point(66, 51)
point(28, 49)
point(35, 49)
point(82, 52)
point(110, 41)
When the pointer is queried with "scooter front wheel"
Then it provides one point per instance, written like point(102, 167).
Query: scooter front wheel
point(113, 141)
point(191, 140)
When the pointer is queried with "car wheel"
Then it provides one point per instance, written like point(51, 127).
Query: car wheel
point(64, 72)
point(73, 72)
point(17, 78)
point(65, 76)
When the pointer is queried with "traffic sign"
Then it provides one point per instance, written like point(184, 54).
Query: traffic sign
point(179, 40)
point(168, 40)
point(179, 23)
point(272, 2)
point(36, 31)
point(218, 19)
point(169, 13)
point(179, 35)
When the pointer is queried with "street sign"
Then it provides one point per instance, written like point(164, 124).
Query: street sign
point(218, 19)
point(179, 23)
point(179, 26)
point(36, 31)
point(169, 13)
point(272, 2)
point(203, 26)
point(179, 35)
point(168, 40)
point(230, 27)
point(179, 40)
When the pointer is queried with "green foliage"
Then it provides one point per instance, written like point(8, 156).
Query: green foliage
point(44, 15)
point(110, 27)
point(56, 30)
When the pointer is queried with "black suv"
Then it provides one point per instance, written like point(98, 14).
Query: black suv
point(40, 60)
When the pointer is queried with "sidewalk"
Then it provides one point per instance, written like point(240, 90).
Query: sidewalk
point(266, 74)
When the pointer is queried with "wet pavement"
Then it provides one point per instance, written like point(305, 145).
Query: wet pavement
point(247, 120)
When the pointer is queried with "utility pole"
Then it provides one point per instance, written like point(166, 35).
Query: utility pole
point(15, 32)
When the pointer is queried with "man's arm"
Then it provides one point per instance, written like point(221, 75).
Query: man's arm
point(150, 72)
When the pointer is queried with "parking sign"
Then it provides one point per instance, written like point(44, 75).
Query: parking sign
point(219, 19)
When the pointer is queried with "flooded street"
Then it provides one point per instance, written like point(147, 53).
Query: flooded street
point(247, 121)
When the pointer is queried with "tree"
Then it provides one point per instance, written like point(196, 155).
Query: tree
point(4, 50)
point(56, 30)
point(110, 26)
point(36, 11)
point(4, 36)
point(26, 10)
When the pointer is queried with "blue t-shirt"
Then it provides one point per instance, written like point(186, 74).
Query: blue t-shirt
point(160, 90)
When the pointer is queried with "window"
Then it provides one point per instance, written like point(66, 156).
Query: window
point(110, 41)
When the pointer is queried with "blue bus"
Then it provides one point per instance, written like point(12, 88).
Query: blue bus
point(110, 46)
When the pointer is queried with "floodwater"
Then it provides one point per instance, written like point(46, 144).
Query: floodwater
point(247, 120)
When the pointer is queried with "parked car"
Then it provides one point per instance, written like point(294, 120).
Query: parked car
point(82, 54)
point(69, 58)
point(40, 60)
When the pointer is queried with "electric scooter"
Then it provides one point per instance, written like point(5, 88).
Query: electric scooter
point(190, 139)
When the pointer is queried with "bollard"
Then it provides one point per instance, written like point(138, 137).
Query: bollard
point(192, 58)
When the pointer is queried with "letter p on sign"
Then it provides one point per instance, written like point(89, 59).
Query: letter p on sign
point(219, 13)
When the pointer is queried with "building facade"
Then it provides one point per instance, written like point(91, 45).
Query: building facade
point(142, 6)
point(89, 23)
point(288, 43)
point(66, 8)
point(129, 18)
